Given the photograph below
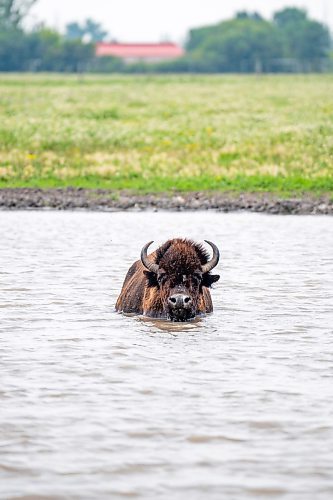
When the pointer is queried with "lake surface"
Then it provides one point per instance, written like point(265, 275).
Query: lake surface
point(95, 405)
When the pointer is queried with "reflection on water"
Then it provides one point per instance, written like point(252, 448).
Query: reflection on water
point(173, 327)
point(94, 404)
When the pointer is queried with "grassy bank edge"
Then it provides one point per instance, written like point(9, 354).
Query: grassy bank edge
point(278, 185)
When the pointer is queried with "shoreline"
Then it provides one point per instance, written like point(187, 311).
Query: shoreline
point(107, 200)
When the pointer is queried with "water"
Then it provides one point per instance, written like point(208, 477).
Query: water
point(238, 405)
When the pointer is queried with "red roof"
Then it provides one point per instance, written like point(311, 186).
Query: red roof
point(139, 50)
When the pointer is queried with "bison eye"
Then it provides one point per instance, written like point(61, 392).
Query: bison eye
point(161, 277)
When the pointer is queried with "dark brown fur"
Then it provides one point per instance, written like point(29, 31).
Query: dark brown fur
point(180, 261)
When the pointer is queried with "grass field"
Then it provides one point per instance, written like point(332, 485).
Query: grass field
point(242, 133)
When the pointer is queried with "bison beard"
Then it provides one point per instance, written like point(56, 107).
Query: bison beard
point(171, 283)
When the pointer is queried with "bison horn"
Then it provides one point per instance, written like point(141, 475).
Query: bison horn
point(214, 260)
point(151, 266)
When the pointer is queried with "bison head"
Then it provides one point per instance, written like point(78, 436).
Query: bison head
point(179, 271)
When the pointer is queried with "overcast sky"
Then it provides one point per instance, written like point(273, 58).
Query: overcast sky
point(153, 20)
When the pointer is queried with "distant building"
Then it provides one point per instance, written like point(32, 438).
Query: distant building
point(140, 52)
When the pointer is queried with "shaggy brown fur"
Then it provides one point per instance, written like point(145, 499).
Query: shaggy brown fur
point(179, 261)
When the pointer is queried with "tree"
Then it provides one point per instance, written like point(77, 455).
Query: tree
point(303, 39)
point(74, 31)
point(12, 12)
point(12, 51)
point(94, 31)
point(290, 16)
point(197, 37)
point(90, 30)
point(50, 51)
point(249, 15)
point(244, 44)
point(316, 41)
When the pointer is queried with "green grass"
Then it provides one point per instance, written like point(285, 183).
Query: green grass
point(161, 133)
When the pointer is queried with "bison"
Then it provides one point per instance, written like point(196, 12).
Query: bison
point(171, 283)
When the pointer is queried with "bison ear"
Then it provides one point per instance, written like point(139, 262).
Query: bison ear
point(209, 279)
point(151, 278)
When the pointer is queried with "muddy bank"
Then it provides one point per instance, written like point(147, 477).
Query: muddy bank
point(99, 199)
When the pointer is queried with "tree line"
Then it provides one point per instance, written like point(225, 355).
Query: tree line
point(248, 43)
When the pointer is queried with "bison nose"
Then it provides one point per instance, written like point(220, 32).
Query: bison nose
point(179, 300)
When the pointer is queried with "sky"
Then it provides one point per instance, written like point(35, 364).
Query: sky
point(156, 20)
